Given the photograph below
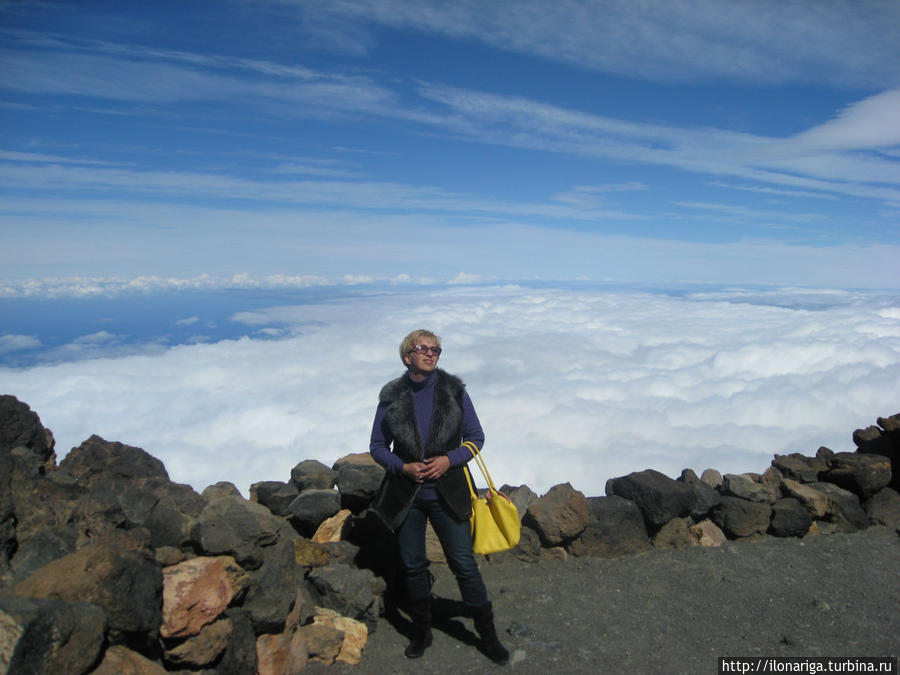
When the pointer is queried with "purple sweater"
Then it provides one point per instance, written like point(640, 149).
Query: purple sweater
point(423, 399)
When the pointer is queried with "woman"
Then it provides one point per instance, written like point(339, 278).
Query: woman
point(421, 421)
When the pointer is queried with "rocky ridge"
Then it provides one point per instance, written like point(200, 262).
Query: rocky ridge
point(107, 566)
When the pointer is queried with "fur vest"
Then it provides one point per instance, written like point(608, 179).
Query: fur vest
point(397, 492)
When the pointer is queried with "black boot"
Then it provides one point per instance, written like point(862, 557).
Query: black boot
point(420, 613)
point(484, 623)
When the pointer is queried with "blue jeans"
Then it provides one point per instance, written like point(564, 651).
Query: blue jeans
point(456, 540)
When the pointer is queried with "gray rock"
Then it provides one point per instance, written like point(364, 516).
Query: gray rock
point(312, 507)
point(358, 479)
point(891, 425)
point(736, 485)
point(740, 518)
point(861, 474)
point(616, 528)
point(350, 591)
point(529, 546)
point(273, 587)
point(119, 660)
point(659, 498)
point(274, 495)
point(712, 478)
point(706, 496)
point(798, 467)
point(824, 454)
point(240, 654)
point(129, 488)
point(202, 649)
point(221, 489)
point(844, 509)
point(790, 518)
point(42, 547)
point(522, 496)
point(873, 440)
point(676, 534)
point(169, 525)
point(773, 481)
point(49, 636)
point(237, 527)
point(883, 508)
point(559, 516)
point(97, 458)
point(21, 427)
point(311, 474)
point(117, 572)
point(26, 454)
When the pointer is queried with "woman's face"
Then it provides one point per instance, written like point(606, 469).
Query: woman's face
point(421, 362)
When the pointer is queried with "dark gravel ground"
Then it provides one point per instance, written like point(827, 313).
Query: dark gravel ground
point(668, 611)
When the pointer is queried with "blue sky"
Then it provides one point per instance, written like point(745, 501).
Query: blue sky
point(296, 143)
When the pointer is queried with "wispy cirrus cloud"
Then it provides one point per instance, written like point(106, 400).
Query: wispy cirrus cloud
point(344, 193)
point(520, 122)
point(771, 42)
point(838, 156)
point(873, 122)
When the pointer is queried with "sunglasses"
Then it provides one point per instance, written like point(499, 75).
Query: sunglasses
point(424, 349)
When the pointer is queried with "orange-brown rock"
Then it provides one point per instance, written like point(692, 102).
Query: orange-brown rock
point(197, 591)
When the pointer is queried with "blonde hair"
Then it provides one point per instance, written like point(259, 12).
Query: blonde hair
point(415, 338)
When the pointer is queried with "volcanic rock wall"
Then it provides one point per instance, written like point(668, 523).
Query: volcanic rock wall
point(107, 566)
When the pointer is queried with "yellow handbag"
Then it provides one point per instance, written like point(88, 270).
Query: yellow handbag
point(495, 520)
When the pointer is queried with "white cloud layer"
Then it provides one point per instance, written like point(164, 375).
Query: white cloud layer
point(570, 385)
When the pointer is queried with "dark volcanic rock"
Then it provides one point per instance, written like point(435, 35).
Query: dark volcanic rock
point(616, 528)
point(26, 454)
point(529, 546)
point(522, 496)
point(237, 527)
point(21, 427)
point(798, 467)
point(559, 516)
point(350, 591)
point(884, 441)
point(706, 496)
point(221, 489)
point(873, 440)
point(128, 488)
point(240, 654)
point(883, 508)
point(312, 507)
point(97, 457)
point(118, 573)
point(311, 474)
point(861, 474)
point(675, 534)
point(844, 509)
point(659, 498)
point(790, 518)
point(736, 485)
point(273, 587)
point(41, 635)
point(274, 495)
point(741, 518)
point(358, 479)
point(43, 546)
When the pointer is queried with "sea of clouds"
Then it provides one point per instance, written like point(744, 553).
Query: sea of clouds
point(571, 385)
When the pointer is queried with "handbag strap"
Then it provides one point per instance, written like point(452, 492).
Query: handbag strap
point(479, 460)
point(472, 491)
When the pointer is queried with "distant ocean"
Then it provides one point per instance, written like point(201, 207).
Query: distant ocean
point(61, 329)
point(68, 329)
